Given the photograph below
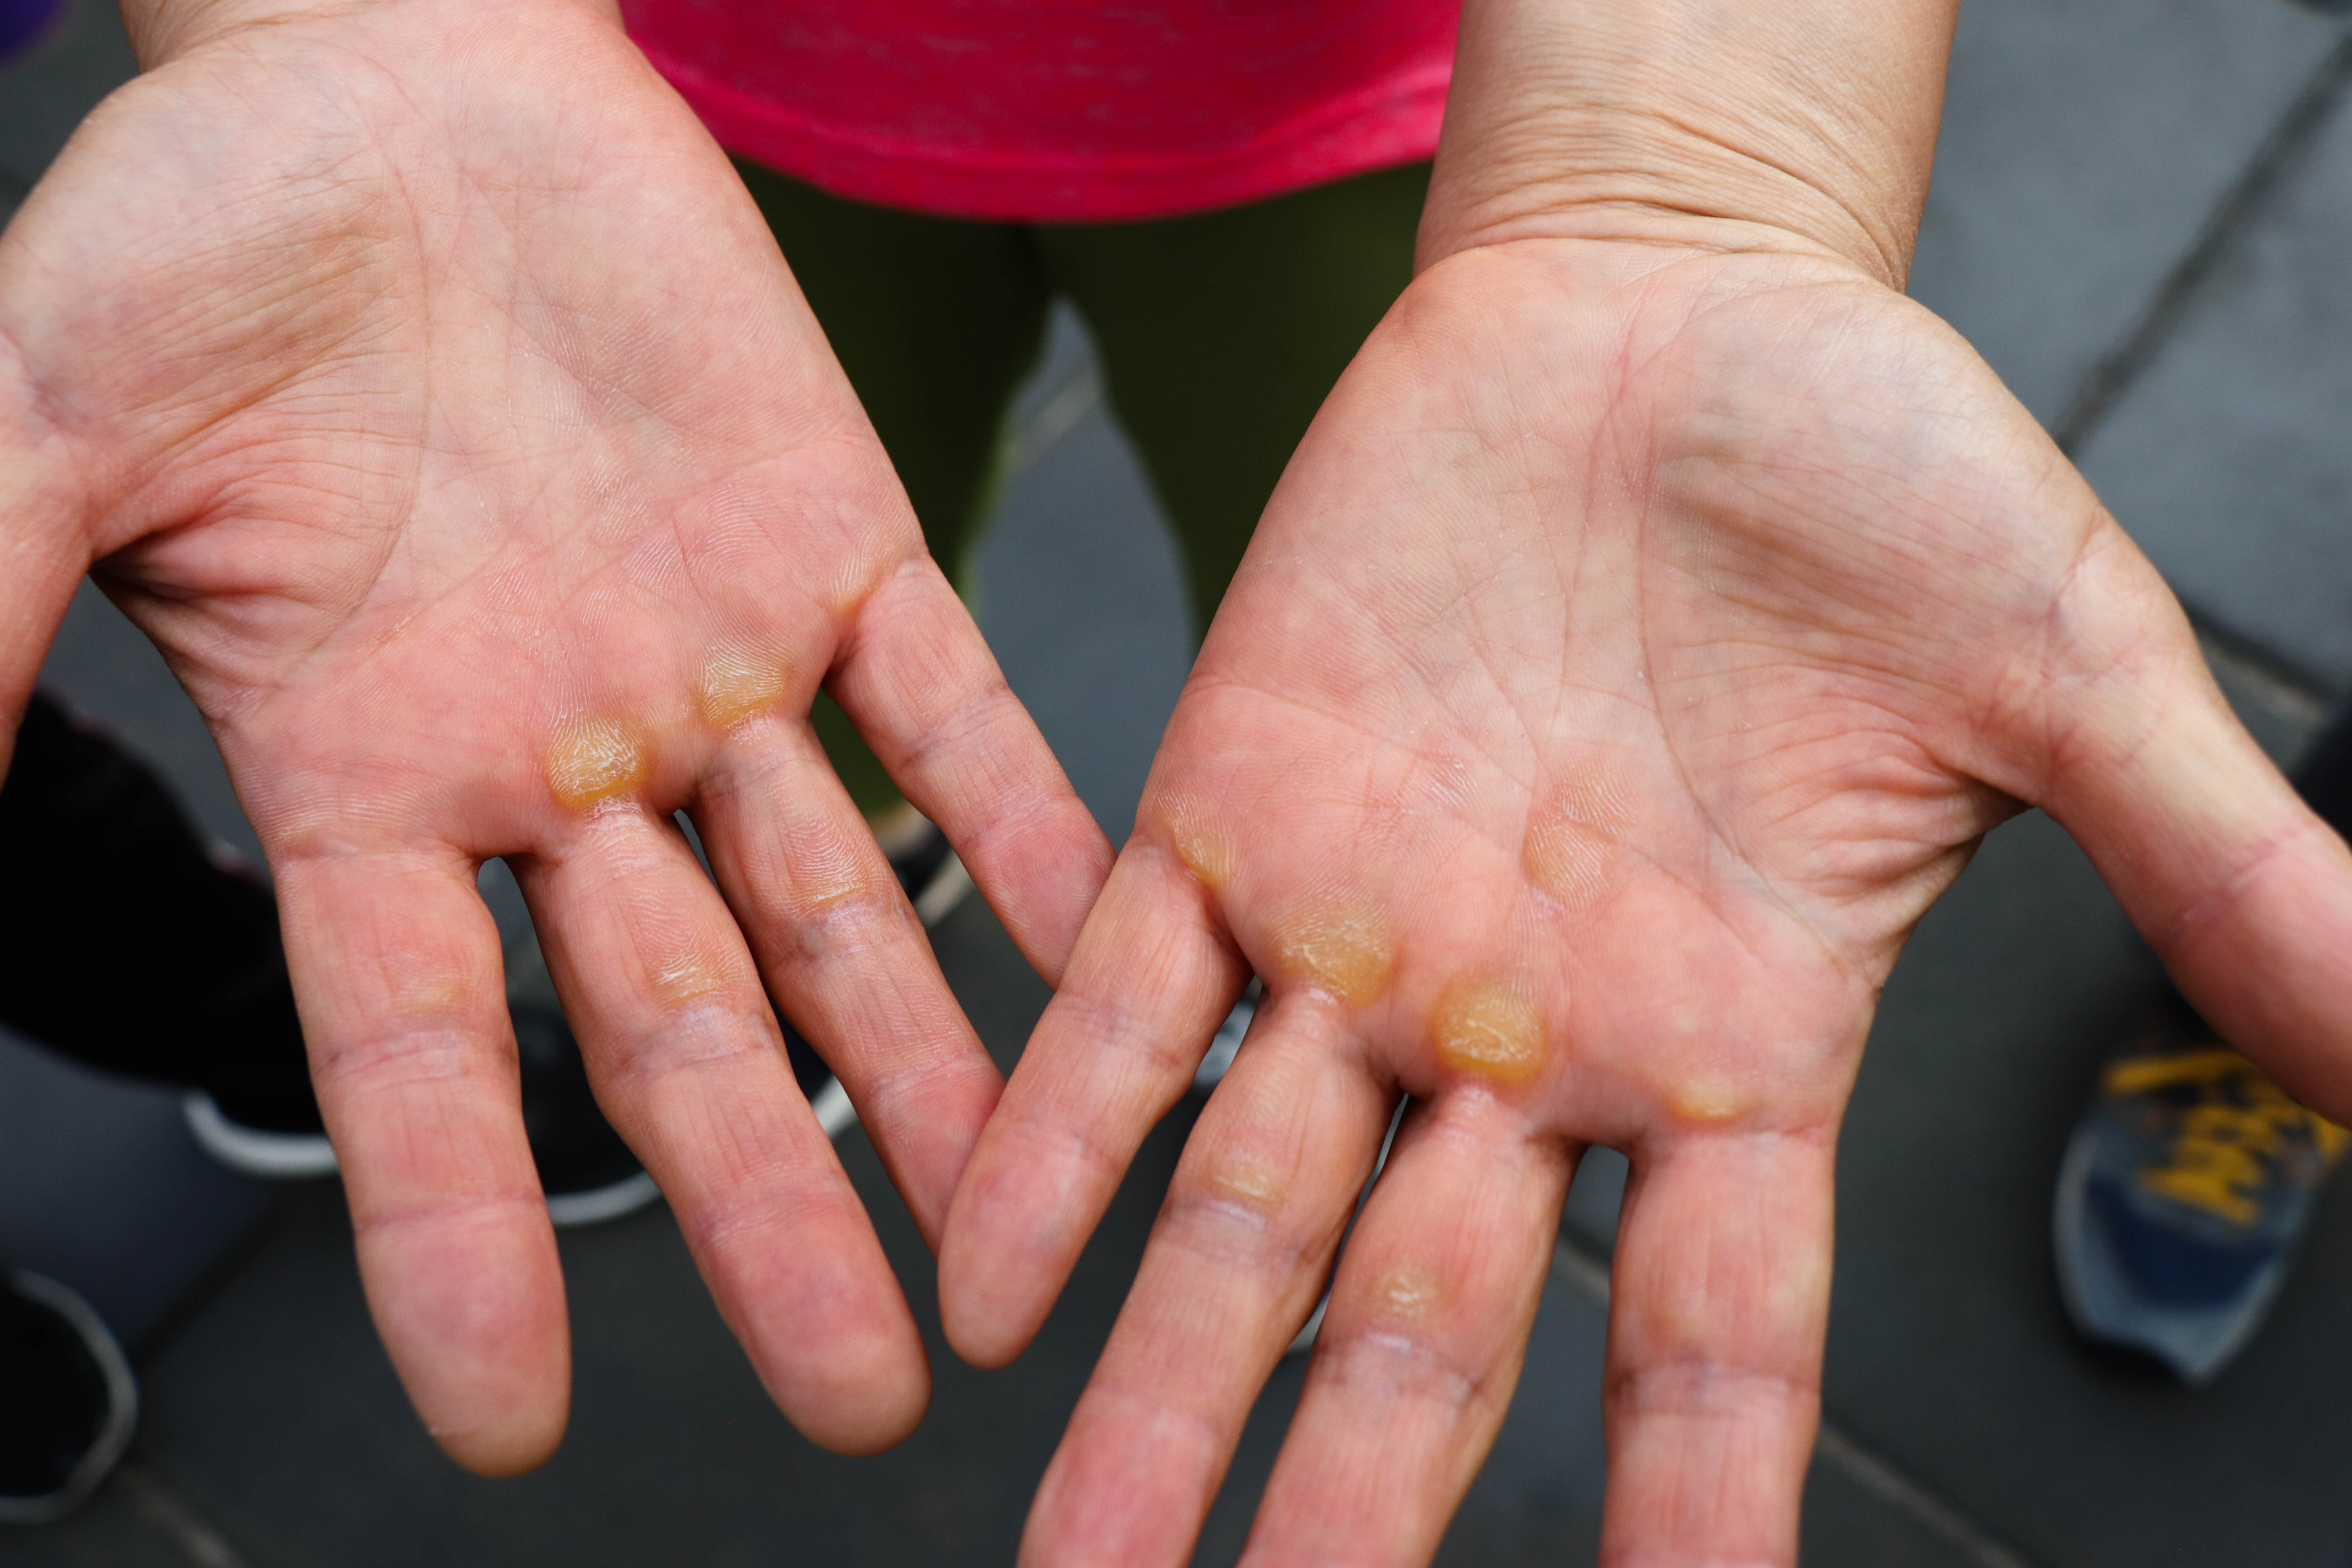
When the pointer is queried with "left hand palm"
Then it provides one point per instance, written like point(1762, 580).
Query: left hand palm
point(1639, 643)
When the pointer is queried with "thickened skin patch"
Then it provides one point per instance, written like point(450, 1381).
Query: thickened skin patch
point(1573, 847)
point(1408, 1293)
point(594, 761)
point(1341, 947)
point(739, 686)
point(1199, 844)
point(1489, 1030)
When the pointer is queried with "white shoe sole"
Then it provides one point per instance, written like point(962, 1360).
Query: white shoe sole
point(601, 1204)
point(121, 1401)
point(249, 1152)
point(949, 885)
point(833, 1111)
point(303, 1157)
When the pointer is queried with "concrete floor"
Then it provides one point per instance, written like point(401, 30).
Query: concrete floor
point(2141, 215)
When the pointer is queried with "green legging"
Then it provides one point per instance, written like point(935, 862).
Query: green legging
point(1218, 336)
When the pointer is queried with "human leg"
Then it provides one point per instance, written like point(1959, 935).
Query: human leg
point(1222, 332)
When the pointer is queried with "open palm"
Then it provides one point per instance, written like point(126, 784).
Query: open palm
point(431, 392)
point(1641, 640)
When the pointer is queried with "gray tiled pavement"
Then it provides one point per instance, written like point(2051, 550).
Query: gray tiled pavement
point(2087, 146)
point(2083, 142)
point(2230, 462)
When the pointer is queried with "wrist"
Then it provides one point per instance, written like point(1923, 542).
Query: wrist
point(1804, 125)
point(162, 30)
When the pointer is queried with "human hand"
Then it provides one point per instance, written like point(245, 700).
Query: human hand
point(1641, 640)
point(421, 378)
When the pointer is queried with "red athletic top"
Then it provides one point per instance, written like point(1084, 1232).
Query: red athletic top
point(1059, 110)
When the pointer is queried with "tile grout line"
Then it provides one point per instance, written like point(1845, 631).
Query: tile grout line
point(171, 1513)
point(2298, 696)
point(1879, 1475)
point(2266, 175)
point(1852, 1458)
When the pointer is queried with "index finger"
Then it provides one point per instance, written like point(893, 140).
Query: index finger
point(928, 696)
point(1117, 1048)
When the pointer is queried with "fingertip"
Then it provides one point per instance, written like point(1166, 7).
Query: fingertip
point(865, 1388)
point(999, 1267)
point(988, 1312)
point(811, 1298)
point(860, 1405)
point(474, 1321)
point(1116, 1049)
point(988, 1341)
point(930, 1139)
point(2269, 964)
point(514, 1446)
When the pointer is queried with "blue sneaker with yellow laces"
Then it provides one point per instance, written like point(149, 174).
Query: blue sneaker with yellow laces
point(2184, 1193)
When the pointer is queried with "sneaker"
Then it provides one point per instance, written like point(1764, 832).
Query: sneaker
point(267, 1153)
point(588, 1173)
point(2183, 1194)
point(67, 1400)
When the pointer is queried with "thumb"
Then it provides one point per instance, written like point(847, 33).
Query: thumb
point(2239, 888)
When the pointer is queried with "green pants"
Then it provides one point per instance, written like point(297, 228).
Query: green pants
point(1218, 337)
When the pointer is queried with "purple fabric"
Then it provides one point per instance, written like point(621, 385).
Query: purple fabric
point(22, 22)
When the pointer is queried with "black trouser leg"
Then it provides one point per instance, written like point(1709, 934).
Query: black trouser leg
point(122, 944)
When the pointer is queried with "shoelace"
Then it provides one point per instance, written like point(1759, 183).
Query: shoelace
point(2228, 1142)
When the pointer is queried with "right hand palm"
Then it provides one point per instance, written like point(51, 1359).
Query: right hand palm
point(435, 398)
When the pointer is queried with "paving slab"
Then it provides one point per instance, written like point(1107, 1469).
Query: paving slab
point(111, 1530)
point(2083, 142)
point(2231, 461)
point(101, 1187)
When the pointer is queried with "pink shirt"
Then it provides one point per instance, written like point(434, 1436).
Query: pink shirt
point(1059, 110)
